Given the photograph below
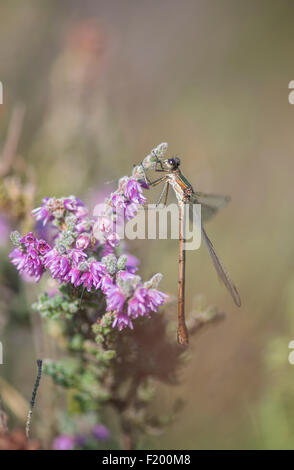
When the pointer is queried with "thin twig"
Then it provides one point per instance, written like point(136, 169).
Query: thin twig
point(36, 386)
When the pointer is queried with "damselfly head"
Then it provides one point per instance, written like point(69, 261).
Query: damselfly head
point(172, 163)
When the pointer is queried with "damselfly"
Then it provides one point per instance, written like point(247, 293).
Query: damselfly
point(210, 204)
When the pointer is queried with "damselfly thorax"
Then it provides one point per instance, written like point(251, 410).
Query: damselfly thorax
point(181, 186)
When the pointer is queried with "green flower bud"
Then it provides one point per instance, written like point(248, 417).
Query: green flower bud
point(15, 237)
point(121, 262)
point(61, 249)
point(110, 262)
point(70, 221)
point(154, 282)
point(83, 266)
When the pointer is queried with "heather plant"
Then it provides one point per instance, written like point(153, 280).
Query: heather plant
point(116, 343)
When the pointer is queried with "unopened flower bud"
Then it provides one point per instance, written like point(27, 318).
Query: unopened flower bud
point(70, 221)
point(160, 150)
point(67, 239)
point(61, 249)
point(154, 282)
point(121, 262)
point(15, 237)
point(83, 266)
point(110, 262)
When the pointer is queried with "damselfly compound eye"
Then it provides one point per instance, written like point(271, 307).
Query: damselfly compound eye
point(173, 162)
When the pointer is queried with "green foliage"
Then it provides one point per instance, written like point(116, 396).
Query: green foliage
point(56, 306)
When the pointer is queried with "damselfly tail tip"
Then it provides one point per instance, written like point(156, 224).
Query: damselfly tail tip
point(183, 338)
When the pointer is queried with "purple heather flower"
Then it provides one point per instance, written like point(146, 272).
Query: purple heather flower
point(42, 212)
point(126, 276)
point(132, 263)
point(84, 225)
point(77, 256)
point(104, 223)
point(115, 299)
point(50, 257)
point(118, 201)
point(57, 264)
point(29, 239)
point(113, 239)
point(18, 258)
point(51, 206)
point(93, 277)
point(98, 271)
point(27, 262)
point(155, 298)
point(83, 241)
point(70, 204)
point(133, 191)
point(103, 228)
point(60, 268)
point(33, 264)
point(101, 432)
point(131, 210)
point(73, 276)
point(43, 247)
point(144, 301)
point(88, 281)
point(75, 205)
point(122, 321)
point(137, 304)
point(106, 283)
point(64, 442)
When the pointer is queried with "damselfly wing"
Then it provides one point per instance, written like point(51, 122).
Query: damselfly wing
point(210, 205)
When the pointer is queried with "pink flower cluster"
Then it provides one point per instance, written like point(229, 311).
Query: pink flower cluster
point(73, 267)
point(28, 256)
point(76, 257)
point(122, 203)
point(129, 298)
point(53, 209)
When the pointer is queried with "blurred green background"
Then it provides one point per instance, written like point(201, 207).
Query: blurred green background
point(103, 82)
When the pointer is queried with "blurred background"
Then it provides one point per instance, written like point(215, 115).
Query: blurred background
point(93, 86)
